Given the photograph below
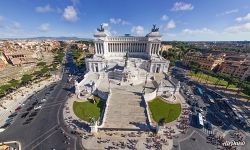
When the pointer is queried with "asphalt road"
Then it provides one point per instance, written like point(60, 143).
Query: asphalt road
point(47, 129)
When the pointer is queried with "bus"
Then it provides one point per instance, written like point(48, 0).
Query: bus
point(200, 122)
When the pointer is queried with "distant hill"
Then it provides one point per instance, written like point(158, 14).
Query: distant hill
point(49, 38)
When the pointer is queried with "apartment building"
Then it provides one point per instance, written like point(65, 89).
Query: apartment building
point(206, 61)
point(237, 66)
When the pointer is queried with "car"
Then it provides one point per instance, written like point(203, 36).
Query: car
point(12, 115)
point(37, 107)
point(6, 125)
point(33, 114)
point(30, 108)
point(43, 100)
point(26, 122)
point(18, 108)
point(29, 119)
point(24, 114)
point(9, 120)
point(200, 110)
point(34, 103)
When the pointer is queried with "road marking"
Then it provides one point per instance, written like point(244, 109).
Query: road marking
point(44, 139)
point(51, 106)
point(40, 136)
point(75, 138)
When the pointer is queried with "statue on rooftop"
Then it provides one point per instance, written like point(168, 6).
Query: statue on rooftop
point(101, 29)
point(154, 29)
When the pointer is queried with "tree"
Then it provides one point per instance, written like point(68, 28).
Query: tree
point(161, 122)
point(219, 78)
point(26, 78)
point(14, 83)
point(247, 79)
point(4, 89)
point(41, 63)
point(45, 70)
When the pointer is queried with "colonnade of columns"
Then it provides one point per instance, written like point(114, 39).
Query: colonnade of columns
point(154, 49)
point(127, 47)
point(99, 47)
point(131, 47)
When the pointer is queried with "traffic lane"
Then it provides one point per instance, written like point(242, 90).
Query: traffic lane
point(17, 125)
point(27, 104)
point(57, 140)
point(27, 133)
point(42, 122)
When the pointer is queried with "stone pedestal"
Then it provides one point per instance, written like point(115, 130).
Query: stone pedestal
point(94, 128)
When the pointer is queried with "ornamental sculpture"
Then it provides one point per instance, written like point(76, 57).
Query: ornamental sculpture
point(101, 29)
point(154, 29)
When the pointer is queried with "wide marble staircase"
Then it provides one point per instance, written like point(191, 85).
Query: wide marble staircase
point(126, 110)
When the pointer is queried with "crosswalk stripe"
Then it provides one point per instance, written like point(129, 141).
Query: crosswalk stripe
point(207, 131)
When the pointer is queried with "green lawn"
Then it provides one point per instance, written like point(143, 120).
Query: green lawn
point(163, 110)
point(211, 79)
point(87, 110)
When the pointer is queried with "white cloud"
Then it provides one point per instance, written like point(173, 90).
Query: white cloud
point(244, 18)
point(118, 21)
point(182, 6)
point(138, 30)
point(170, 25)
point(70, 14)
point(239, 28)
point(16, 25)
point(164, 17)
point(105, 25)
point(197, 31)
point(44, 9)
point(45, 27)
point(114, 32)
point(228, 12)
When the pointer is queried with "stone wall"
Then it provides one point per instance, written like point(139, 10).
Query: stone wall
point(150, 96)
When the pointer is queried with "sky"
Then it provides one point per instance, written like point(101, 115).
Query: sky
point(185, 20)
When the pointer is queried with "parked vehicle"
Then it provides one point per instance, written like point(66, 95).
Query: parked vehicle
point(24, 115)
point(6, 125)
point(43, 100)
point(12, 115)
point(37, 107)
point(18, 108)
point(9, 120)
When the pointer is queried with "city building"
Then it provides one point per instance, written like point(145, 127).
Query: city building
point(127, 60)
point(165, 47)
point(143, 51)
point(207, 61)
point(236, 66)
point(2, 65)
point(18, 58)
point(128, 68)
point(230, 64)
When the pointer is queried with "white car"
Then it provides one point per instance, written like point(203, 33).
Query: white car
point(37, 107)
point(43, 100)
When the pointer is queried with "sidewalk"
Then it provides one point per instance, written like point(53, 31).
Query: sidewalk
point(19, 96)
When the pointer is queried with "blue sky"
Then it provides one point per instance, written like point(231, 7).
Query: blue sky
point(178, 20)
